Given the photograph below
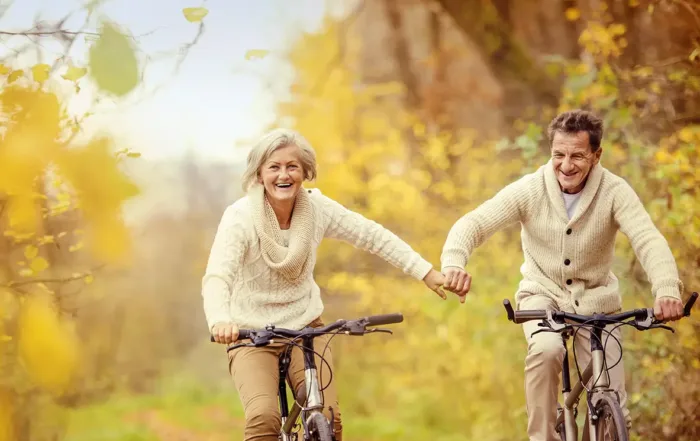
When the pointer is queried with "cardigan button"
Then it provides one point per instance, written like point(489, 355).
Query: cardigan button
point(568, 231)
point(567, 262)
point(576, 303)
point(569, 281)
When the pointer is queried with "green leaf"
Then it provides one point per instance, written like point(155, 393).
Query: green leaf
point(195, 15)
point(113, 63)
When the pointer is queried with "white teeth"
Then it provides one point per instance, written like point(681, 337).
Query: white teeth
point(284, 185)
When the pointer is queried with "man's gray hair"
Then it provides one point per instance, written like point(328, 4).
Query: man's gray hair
point(271, 141)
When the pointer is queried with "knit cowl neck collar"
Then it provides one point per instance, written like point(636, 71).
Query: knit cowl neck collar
point(292, 261)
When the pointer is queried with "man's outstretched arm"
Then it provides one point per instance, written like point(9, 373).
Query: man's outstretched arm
point(474, 228)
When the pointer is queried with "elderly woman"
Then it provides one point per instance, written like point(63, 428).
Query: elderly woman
point(260, 271)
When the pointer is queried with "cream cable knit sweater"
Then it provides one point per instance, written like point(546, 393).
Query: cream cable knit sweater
point(239, 287)
point(569, 259)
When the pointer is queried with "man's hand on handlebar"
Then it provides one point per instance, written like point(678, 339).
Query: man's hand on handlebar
point(668, 309)
point(225, 333)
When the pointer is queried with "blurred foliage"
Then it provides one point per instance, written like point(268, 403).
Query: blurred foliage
point(93, 311)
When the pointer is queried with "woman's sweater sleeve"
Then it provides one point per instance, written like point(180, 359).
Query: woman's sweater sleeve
point(343, 224)
point(225, 258)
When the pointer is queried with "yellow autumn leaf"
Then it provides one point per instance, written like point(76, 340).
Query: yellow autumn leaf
point(40, 72)
point(38, 264)
point(74, 73)
point(256, 54)
point(31, 251)
point(89, 279)
point(134, 154)
point(14, 75)
point(4, 70)
point(195, 15)
point(48, 346)
point(572, 14)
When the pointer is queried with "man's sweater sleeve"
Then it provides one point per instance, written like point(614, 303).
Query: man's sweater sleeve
point(474, 228)
point(648, 243)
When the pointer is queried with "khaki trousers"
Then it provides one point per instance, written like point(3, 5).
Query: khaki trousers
point(255, 373)
point(543, 365)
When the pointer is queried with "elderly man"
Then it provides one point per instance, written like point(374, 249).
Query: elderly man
point(569, 210)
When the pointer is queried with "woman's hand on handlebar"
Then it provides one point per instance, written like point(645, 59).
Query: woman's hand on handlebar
point(225, 333)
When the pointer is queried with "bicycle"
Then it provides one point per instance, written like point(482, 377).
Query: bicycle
point(603, 401)
point(316, 426)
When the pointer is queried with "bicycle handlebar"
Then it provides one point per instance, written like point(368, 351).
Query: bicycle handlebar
point(353, 327)
point(640, 315)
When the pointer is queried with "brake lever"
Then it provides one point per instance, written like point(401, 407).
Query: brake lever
point(387, 331)
point(668, 328)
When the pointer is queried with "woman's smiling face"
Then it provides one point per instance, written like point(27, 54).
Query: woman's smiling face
point(282, 174)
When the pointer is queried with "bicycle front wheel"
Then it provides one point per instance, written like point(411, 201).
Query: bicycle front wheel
point(611, 422)
point(319, 428)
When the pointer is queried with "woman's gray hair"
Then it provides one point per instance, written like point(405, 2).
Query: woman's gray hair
point(271, 141)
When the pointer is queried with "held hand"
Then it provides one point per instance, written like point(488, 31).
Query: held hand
point(458, 281)
point(668, 309)
point(225, 333)
point(434, 280)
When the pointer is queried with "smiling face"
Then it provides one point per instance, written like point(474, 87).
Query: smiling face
point(572, 159)
point(282, 174)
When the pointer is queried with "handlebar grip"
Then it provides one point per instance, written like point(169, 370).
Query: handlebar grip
point(526, 316)
point(689, 304)
point(242, 333)
point(384, 319)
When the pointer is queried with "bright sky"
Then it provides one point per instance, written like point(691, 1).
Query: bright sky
point(212, 102)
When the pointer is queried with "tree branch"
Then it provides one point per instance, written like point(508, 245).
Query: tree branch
point(73, 278)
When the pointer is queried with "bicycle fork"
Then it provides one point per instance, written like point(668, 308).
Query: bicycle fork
point(595, 369)
point(313, 398)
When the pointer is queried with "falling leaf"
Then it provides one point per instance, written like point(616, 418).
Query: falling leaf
point(89, 279)
point(572, 14)
point(113, 63)
point(195, 15)
point(38, 265)
point(40, 72)
point(256, 53)
point(14, 75)
point(4, 70)
point(74, 73)
point(133, 155)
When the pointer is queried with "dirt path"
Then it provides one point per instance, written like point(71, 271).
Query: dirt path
point(223, 427)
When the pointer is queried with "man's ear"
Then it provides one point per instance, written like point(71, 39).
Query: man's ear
point(597, 154)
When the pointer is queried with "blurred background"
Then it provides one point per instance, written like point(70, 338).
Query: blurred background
point(125, 125)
